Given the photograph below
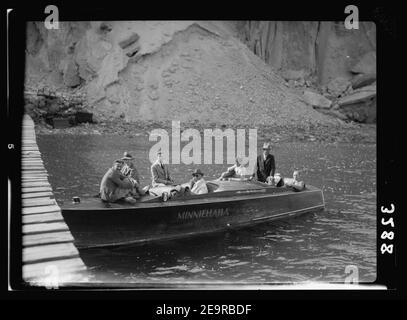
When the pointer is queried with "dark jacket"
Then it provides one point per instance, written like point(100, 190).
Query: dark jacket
point(159, 174)
point(113, 180)
point(263, 169)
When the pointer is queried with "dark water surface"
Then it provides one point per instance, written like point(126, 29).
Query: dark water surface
point(312, 247)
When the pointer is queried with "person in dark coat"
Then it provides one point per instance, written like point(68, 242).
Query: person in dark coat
point(115, 186)
point(265, 165)
point(160, 174)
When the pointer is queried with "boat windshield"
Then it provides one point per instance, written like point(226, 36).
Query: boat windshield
point(212, 187)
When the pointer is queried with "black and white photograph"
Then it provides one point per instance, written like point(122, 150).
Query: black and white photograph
point(200, 154)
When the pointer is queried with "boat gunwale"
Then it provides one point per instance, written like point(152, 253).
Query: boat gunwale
point(193, 201)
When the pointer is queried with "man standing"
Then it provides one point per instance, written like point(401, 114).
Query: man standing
point(160, 174)
point(129, 170)
point(115, 185)
point(265, 165)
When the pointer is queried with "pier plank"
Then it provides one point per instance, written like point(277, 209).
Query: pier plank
point(44, 227)
point(31, 164)
point(47, 238)
point(35, 172)
point(36, 195)
point(33, 168)
point(34, 184)
point(34, 178)
point(49, 252)
point(35, 189)
point(42, 218)
point(36, 202)
point(41, 209)
point(33, 175)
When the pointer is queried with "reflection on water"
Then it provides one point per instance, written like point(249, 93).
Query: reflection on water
point(313, 247)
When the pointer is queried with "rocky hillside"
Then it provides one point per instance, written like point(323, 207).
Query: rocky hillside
point(191, 70)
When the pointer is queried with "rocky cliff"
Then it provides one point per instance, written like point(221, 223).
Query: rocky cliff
point(218, 72)
point(320, 50)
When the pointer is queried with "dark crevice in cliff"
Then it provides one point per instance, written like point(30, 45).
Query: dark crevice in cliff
point(316, 53)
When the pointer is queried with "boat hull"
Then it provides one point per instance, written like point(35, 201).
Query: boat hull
point(165, 221)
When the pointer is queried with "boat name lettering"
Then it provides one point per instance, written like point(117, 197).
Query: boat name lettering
point(251, 191)
point(204, 213)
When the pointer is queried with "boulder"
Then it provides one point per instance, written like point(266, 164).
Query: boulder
point(360, 106)
point(361, 95)
point(71, 74)
point(361, 80)
point(338, 87)
point(316, 100)
point(366, 65)
point(129, 40)
point(294, 75)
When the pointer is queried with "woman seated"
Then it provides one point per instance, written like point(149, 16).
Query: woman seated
point(238, 170)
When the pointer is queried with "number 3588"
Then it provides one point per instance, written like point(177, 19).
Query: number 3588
point(387, 235)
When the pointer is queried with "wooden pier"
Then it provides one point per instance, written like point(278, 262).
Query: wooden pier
point(49, 255)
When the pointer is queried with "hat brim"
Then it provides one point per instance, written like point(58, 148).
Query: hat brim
point(197, 174)
point(127, 158)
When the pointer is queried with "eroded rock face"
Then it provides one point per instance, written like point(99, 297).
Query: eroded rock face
point(325, 49)
point(366, 64)
point(338, 86)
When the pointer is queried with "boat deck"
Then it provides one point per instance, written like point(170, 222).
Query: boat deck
point(228, 194)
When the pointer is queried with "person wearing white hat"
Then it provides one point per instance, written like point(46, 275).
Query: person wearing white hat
point(265, 165)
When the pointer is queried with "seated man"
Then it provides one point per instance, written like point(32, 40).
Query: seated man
point(294, 182)
point(115, 186)
point(198, 184)
point(160, 175)
point(129, 170)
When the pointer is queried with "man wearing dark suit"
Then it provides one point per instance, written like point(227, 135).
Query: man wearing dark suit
point(265, 165)
point(160, 174)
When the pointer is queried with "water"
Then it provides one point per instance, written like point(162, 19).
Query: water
point(312, 247)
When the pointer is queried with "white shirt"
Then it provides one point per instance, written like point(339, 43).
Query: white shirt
point(200, 187)
point(239, 170)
